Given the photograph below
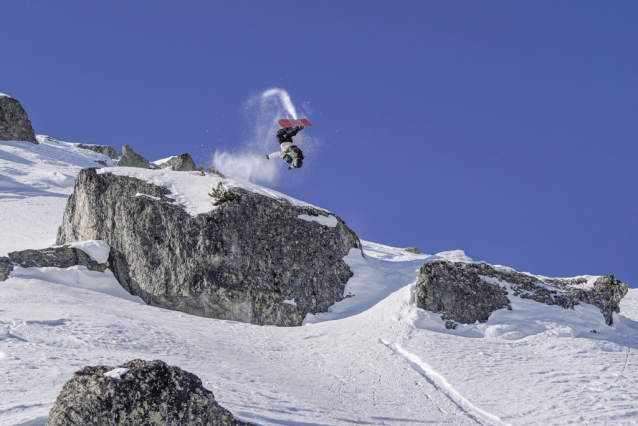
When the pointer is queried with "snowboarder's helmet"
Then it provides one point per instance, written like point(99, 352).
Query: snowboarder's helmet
point(297, 163)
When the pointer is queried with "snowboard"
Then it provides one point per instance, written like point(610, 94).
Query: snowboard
point(284, 122)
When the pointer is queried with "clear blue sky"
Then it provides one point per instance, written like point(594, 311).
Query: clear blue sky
point(508, 129)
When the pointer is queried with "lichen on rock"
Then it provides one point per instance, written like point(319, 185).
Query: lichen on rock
point(140, 393)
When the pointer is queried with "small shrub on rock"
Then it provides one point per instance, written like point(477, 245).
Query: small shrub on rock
point(221, 194)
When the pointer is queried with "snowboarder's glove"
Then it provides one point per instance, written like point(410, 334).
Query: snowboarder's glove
point(267, 157)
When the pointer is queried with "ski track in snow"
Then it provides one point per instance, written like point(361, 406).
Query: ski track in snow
point(373, 359)
point(475, 413)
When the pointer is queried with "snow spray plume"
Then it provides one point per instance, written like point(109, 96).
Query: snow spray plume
point(249, 162)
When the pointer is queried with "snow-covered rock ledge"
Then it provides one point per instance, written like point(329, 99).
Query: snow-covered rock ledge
point(79, 254)
point(239, 261)
point(81, 265)
point(467, 292)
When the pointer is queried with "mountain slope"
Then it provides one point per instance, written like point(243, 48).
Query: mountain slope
point(374, 358)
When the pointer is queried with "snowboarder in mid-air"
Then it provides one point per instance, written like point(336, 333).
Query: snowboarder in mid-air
point(290, 153)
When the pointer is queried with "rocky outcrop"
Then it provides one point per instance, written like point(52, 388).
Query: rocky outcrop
point(130, 158)
point(457, 293)
point(109, 151)
point(466, 292)
point(137, 393)
point(14, 123)
point(180, 163)
point(56, 257)
point(413, 250)
point(239, 262)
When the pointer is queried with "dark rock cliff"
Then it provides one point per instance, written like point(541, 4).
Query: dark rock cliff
point(14, 123)
point(239, 262)
point(137, 393)
point(459, 292)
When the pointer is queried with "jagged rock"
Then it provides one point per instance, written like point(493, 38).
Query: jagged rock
point(138, 393)
point(413, 250)
point(56, 257)
point(180, 163)
point(130, 158)
point(460, 292)
point(238, 262)
point(457, 293)
point(14, 123)
point(109, 151)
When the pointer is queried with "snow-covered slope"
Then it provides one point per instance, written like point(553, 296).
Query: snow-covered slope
point(373, 359)
point(35, 181)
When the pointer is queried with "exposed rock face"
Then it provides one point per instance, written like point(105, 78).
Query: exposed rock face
point(109, 151)
point(239, 262)
point(460, 292)
point(57, 257)
point(14, 123)
point(413, 250)
point(180, 163)
point(130, 158)
point(457, 293)
point(138, 393)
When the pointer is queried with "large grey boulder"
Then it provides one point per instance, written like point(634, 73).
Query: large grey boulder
point(14, 123)
point(131, 158)
point(56, 257)
point(251, 260)
point(137, 393)
point(109, 151)
point(180, 163)
point(462, 292)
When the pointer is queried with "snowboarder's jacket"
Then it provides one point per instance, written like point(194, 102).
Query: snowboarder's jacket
point(289, 153)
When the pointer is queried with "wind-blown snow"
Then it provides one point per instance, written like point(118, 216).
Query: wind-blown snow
point(284, 97)
point(247, 159)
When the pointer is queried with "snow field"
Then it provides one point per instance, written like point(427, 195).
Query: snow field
point(389, 363)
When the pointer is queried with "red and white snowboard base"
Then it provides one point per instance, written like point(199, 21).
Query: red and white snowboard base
point(292, 123)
